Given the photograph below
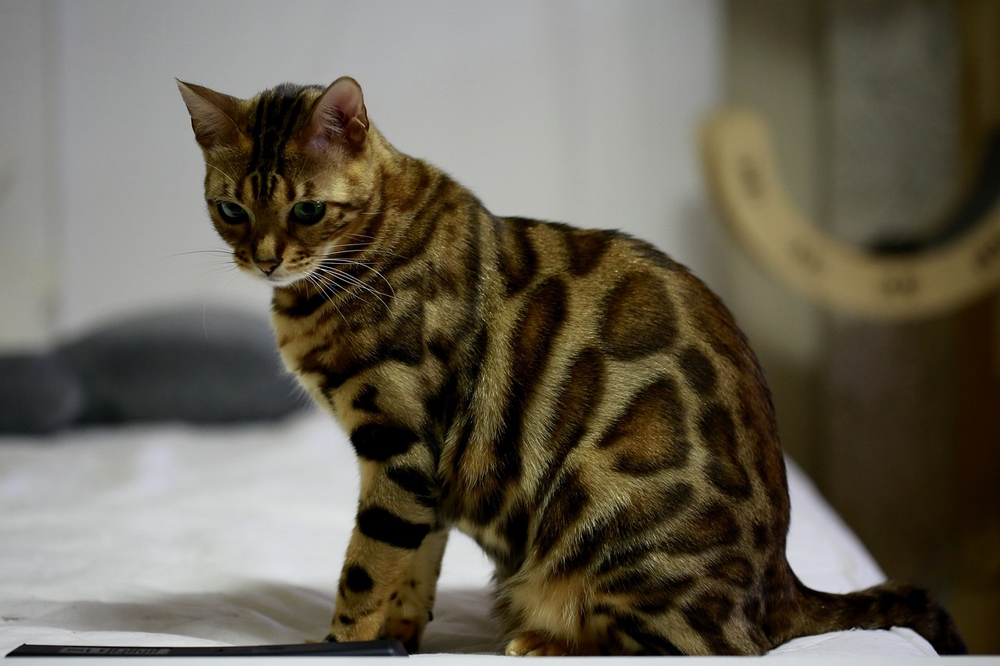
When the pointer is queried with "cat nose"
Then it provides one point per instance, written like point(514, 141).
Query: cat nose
point(267, 266)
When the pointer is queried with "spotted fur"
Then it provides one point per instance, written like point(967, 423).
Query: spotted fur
point(574, 400)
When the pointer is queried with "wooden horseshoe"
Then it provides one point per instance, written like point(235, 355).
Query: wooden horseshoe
point(942, 277)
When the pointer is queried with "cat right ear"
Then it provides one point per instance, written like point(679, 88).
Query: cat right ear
point(211, 115)
point(338, 117)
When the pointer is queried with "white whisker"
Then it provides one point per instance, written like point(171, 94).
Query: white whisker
point(217, 259)
point(221, 251)
point(330, 262)
point(340, 250)
point(376, 272)
point(347, 247)
point(366, 237)
point(225, 175)
point(342, 277)
point(221, 286)
point(321, 290)
point(214, 269)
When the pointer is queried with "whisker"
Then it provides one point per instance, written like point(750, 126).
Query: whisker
point(362, 240)
point(344, 277)
point(220, 287)
point(343, 280)
point(348, 247)
point(342, 262)
point(226, 253)
point(224, 269)
point(321, 290)
point(224, 174)
point(217, 259)
point(341, 251)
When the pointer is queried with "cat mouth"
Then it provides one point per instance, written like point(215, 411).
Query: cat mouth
point(275, 276)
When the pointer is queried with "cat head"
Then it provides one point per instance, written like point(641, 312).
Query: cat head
point(289, 177)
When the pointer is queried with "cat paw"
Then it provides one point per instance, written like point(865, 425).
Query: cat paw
point(408, 615)
point(344, 629)
point(533, 644)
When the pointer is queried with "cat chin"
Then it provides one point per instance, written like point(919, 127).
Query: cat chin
point(284, 281)
point(276, 281)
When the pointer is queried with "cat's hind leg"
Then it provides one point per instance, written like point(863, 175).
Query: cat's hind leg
point(534, 644)
point(547, 617)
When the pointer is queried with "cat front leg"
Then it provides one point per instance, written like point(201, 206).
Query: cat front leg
point(393, 521)
point(411, 606)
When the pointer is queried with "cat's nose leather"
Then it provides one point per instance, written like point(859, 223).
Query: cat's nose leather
point(267, 266)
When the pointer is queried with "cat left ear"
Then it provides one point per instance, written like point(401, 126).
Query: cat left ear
point(211, 115)
point(338, 116)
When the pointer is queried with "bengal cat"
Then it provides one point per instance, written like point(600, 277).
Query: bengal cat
point(574, 400)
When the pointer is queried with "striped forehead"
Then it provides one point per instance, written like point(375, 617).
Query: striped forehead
point(275, 119)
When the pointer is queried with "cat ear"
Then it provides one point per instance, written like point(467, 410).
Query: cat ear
point(211, 114)
point(338, 116)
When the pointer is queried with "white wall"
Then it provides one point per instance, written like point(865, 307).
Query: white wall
point(27, 194)
point(581, 111)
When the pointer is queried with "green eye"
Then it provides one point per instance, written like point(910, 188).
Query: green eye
point(308, 212)
point(233, 213)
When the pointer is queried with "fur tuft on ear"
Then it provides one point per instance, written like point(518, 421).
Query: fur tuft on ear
point(211, 114)
point(338, 117)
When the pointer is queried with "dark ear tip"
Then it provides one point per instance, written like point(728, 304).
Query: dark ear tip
point(348, 79)
point(348, 86)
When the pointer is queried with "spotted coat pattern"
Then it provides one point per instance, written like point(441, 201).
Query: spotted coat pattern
point(574, 400)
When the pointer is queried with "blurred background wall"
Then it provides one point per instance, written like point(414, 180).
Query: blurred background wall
point(585, 111)
point(582, 111)
point(883, 114)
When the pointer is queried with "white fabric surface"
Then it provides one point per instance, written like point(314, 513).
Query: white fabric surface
point(173, 535)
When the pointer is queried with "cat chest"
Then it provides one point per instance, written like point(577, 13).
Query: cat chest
point(376, 370)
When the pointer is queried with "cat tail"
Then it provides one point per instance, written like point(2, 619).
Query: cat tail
point(890, 604)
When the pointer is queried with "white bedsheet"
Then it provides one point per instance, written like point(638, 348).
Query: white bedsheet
point(173, 535)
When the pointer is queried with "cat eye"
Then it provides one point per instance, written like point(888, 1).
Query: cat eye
point(308, 212)
point(233, 213)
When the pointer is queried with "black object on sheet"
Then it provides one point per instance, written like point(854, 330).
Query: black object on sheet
point(360, 649)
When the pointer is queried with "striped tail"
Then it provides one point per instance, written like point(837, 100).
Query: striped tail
point(883, 606)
